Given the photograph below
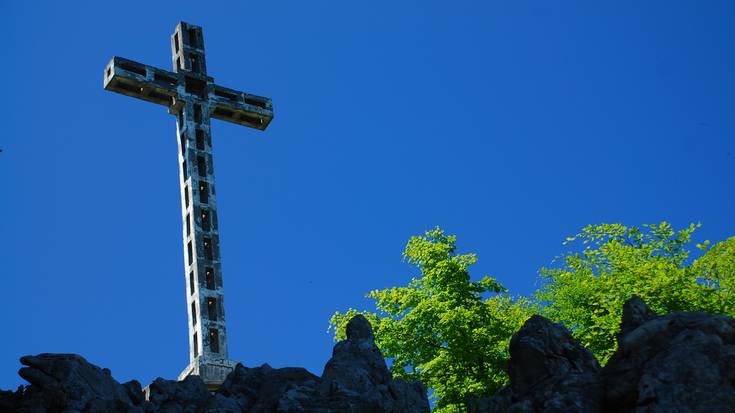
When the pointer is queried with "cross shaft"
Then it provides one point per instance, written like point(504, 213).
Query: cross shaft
point(194, 99)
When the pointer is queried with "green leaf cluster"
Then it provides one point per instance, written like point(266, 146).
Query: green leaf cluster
point(444, 329)
point(587, 292)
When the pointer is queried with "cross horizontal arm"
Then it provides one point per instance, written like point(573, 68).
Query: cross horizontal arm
point(141, 81)
point(239, 107)
point(166, 88)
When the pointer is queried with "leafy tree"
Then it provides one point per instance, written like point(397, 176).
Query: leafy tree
point(442, 328)
point(587, 292)
point(716, 270)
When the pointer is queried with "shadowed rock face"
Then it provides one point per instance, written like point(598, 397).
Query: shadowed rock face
point(355, 379)
point(680, 362)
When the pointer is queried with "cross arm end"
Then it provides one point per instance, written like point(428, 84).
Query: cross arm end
point(141, 81)
point(241, 108)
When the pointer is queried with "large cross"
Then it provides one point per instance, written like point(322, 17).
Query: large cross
point(194, 98)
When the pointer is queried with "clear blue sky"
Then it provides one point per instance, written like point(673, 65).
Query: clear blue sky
point(512, 124)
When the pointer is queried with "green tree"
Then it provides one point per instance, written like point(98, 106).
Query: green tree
point(587, 292)
point(442, 328)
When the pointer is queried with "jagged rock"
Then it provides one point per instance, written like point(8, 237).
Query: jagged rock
point(683, 362)
point(355, 380)
point(356, 366)
point(265, 389)
point(551, 372)
point(9, 399)
point(67, 382)
point(357, 376)
point(635, 313)
point(171, 396)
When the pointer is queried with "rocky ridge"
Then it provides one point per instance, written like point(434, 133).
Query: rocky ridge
point(680, 362)
point(356, 379)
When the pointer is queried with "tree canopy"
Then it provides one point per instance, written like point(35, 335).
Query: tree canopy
point(453, 333)
point(587, 291)
point(442, 328)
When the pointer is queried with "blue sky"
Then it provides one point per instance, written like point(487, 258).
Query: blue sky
point(511, 124)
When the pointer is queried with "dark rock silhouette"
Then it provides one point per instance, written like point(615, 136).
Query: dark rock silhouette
point(680, 362)
point(355, 379)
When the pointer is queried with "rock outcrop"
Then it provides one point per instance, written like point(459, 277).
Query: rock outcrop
point(680, 362)
point(355, 379)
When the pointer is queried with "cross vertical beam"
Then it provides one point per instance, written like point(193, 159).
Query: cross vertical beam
point(205, 294)
point(194, 99)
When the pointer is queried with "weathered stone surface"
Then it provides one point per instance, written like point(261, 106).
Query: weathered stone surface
point(551, 372)
point(265, 389)
point(68, 382)
point(357, 376)
point(356, 380)
point(188, 395)
point(681, 362)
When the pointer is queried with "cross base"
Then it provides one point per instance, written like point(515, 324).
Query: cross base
point(212, 371)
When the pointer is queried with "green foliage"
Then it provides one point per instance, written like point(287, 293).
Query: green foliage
point(587, 292)
point(442, 328)
point(453, 334)
point(716, 270)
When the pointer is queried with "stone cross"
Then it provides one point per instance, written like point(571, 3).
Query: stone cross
point(194, 99)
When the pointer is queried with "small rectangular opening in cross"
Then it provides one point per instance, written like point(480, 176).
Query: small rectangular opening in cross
point(200, 139)
point(176, 42)
point(193, 313)
point(207, 248)
point(189, 253)
point(196, 345)
point(212, 308)
point(193, 39)
point(133, 68)
point(186, 174)
point(209, 275)
point(255, 102)
point(203, 192)
point(188, 225)
point(201, 166)
point(186, 194)
point(191, 282)
point(225, 94)
point(205, 220)
point(164, 79)
point(197, 113)
point(195, 87)
point(214, 340)
point(194, 60)
point(182, 139)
